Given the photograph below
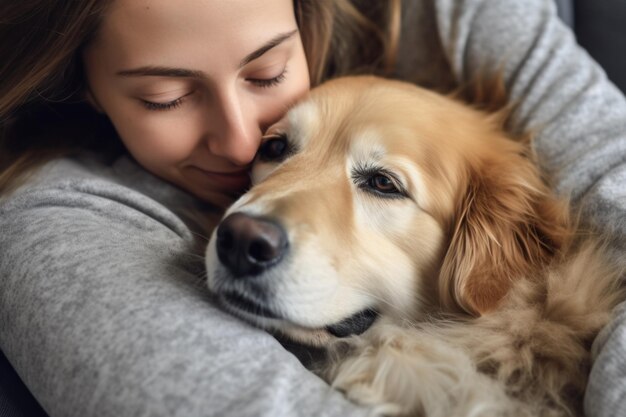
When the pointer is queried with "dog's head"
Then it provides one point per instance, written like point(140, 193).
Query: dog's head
point(379, 198)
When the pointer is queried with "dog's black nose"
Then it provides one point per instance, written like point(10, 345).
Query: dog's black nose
point(248, 245)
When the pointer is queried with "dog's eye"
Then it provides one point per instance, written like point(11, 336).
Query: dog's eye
point(382, 184)
point(379, 182)
point(274, 149)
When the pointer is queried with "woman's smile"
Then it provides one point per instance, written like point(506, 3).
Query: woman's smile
point(228, 181)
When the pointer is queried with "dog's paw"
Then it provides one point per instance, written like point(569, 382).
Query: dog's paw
point(404, 372)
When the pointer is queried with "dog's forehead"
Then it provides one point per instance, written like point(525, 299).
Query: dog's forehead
point(371, 122)
point(367, 144)
point(364, 126)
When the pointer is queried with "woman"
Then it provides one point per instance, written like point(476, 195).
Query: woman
point(121, 117)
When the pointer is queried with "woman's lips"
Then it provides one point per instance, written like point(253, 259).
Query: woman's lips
point(237, 180)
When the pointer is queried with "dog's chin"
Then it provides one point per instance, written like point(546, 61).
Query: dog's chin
point(262, 316)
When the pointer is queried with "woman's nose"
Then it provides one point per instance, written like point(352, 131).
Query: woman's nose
point(236, 134)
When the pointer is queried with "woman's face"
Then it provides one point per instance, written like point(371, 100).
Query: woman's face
point(191, 86)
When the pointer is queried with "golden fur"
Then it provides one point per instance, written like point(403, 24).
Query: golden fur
point(488, 299)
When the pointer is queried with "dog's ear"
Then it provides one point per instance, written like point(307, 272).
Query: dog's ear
point(506, 227)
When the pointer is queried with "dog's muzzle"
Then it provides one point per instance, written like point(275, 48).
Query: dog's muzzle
point(248, 245)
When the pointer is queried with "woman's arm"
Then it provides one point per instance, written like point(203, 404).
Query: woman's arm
point(104, 310)
point(564, 96)
point(580, 121)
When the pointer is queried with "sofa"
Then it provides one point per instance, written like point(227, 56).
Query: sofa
point(600, 27)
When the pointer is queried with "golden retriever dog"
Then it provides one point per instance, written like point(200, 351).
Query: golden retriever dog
point(412, 237)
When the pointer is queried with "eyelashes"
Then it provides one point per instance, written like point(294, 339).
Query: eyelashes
point(151, 105)
point(170, 105)
point(379, 182)
point(271, 82)
point(162, 106)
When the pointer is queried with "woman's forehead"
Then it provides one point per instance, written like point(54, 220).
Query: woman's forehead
point(171, 33)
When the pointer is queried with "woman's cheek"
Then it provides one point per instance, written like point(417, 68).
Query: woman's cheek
point(160, 139)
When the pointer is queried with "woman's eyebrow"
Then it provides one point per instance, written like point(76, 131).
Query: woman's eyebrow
point(161, 72)
point(272, 43)
point(187, 73)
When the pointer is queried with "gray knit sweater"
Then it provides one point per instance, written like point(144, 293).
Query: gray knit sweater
point(103, 308)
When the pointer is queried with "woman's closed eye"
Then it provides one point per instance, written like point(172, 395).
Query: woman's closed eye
point(165, 105)
point(172, 104)
point(269, 82)
point(162, 106)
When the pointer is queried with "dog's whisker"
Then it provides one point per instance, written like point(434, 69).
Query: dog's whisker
point(194, 256)
point(201, 236)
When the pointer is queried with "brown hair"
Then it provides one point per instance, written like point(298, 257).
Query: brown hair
point(43, 113)
point(344, 37)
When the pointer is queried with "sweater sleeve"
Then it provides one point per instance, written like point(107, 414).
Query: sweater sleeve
point(562, 95)
point(104, 312)
point(579, 120)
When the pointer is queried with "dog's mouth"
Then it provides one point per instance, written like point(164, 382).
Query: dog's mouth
point(355, 324)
